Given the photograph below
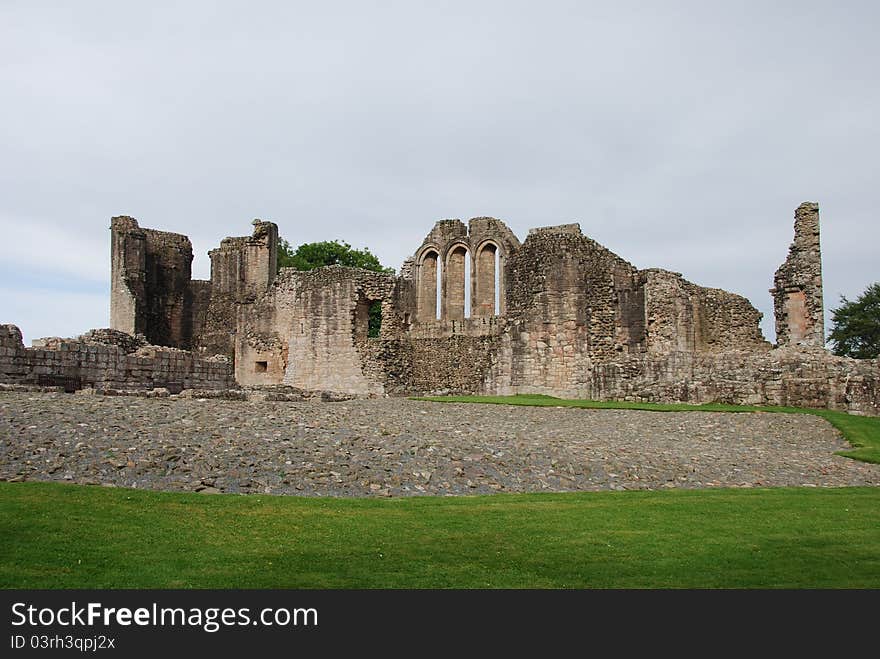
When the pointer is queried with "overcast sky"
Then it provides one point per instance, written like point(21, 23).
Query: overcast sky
point(679, 135)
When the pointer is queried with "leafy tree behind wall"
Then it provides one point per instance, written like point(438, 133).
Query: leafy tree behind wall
point(309, 256)
point(855, 328)
point(330, 252)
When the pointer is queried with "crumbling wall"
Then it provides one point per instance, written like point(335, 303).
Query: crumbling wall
point(573, 320)
point(152, 292)
point(14, 366)
point(797, 292)
point(570, 302)
point(794, 377)
point(242, 270)
point(310, 331)
point(150, 279)
point(244, 267)
point(199, 303)
point(311, 327)
point(787, 376)
point(452, 365)
point(107, 359)
point(127, 275)
point(682, 316)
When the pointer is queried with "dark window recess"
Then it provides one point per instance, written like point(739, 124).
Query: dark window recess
point(375, 323)
point(367, 319)
point(261, 367)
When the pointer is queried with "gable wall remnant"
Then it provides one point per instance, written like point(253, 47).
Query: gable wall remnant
point(797, 293)
point(684, 317)
point(481, 247)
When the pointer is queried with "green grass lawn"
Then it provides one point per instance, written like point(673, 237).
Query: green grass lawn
point(70, 536)
point(862, 432)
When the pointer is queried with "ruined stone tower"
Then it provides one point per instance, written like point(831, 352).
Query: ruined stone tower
point(152, 293)
point(150, 283)
point(797, 292)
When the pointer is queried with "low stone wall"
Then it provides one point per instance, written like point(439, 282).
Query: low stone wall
point(107, 359)
point(786, 376)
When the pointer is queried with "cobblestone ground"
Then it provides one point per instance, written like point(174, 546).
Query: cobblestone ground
point(398, 447)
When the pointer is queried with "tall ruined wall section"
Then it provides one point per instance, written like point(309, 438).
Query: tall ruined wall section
point(310, 331)
point(152, 292)
point(128, 273)
point(107, 359)
point(684, 317)
point(797, 292)
point(150, 280)
point(571, 303)
point(242, 269)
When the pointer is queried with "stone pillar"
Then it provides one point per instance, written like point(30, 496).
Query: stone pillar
point(797, 292)
point(127, 275)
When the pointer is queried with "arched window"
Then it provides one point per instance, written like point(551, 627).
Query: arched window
point(428, 292)
point(487, 300)
point(499, 300)
point(456, 284)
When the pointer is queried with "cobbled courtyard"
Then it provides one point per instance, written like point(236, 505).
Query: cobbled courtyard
point(399, 447)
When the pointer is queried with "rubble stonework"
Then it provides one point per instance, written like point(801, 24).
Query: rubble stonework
point(107, 360)
point(797, 292)
point(152, 292)
point(557, 314)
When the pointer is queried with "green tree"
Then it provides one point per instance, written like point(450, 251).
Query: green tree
point(330, 252)
point(309, 256)
point(856, 325)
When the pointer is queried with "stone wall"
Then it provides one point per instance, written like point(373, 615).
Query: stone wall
point(483, 246)
point(150, 283)
point(797, 292)
point(784, 376)
point(682, 316)
point(244, 267)
point(199, 296)
point(107, 359)
point(152, 292)
point(310, 328)
point(310, 332)
point(558, 314)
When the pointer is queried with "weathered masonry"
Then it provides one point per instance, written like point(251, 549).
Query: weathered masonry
point(474, 310)
point(797, 296)
point(107, 360)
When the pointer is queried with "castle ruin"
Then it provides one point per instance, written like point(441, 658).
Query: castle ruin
point(557, 314)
